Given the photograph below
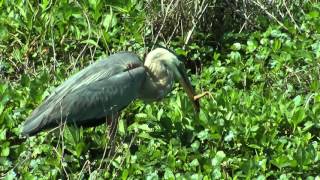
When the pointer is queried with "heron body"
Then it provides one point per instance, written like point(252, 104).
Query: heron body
point(106, 87)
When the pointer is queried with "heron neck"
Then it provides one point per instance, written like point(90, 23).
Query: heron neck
point(158, 82)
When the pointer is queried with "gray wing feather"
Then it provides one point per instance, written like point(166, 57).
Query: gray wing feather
point(105, 87)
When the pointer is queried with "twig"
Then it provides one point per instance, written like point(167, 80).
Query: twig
point(162, 24)
point(114, 155)
point(87, 162)
point(131, 142)
point(292, 19)
point(104, 154)
point(113, 130)
point(54, 50)
point(195, 21)
point(308, 101)
point(245, 23)
point(257, 3)
point(62, 148)
point(174, 30)
point(89, 36)
point(61, 128)
point(18, 164)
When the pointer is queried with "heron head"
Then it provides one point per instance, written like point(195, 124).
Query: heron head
point(173, 64)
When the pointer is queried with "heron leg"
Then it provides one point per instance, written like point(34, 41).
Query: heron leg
point(112, 121)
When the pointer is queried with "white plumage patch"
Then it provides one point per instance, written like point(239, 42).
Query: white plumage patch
point(161, 64)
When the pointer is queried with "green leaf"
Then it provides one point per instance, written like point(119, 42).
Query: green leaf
point(203, 116)
point(3, 102)
point(125, 174)
point(234, 55)
point(276, 33)
point(121, 127)
point(94, 3)
point(316, 49)
point(297, 101)
point(109, 21)
point(195, 146)
point(314, 14)
point(144, 127)
point(216, 56)
point(5, 149)
point(79, 148)
point(251, 46)
point(219, 157)
point(168, 174)
point(159, 114)
point(152, 176)
point(284, 161)
point(180, 51)
point(194, 163)
point(145, 135)
point(236, 47)
point(203, 135)
point(276, 44)
point(298, 116)
point(90, 42)
point(3, 134)
point(11, 175)
point(141, 116)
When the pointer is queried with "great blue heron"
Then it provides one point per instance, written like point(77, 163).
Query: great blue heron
point(107, 86)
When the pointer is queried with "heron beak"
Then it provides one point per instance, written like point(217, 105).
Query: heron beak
point(186, 84)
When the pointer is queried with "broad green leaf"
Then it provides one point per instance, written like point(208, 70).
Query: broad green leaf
point(314, 14)
point(297, 101)
point(195, 146)
point(194, 163)
point(110, 21)
point(298, 116)
point(203, 135)
point(236, 46)
point(234, 55)
point(3, 134)
point(168, 174)
point(284, 161)
point(5, 149)
point(125, 174)
point(79, 148)
point(220, 155)
point(251, 46)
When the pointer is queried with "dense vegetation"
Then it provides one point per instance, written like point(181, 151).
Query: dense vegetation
point(260, 62)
